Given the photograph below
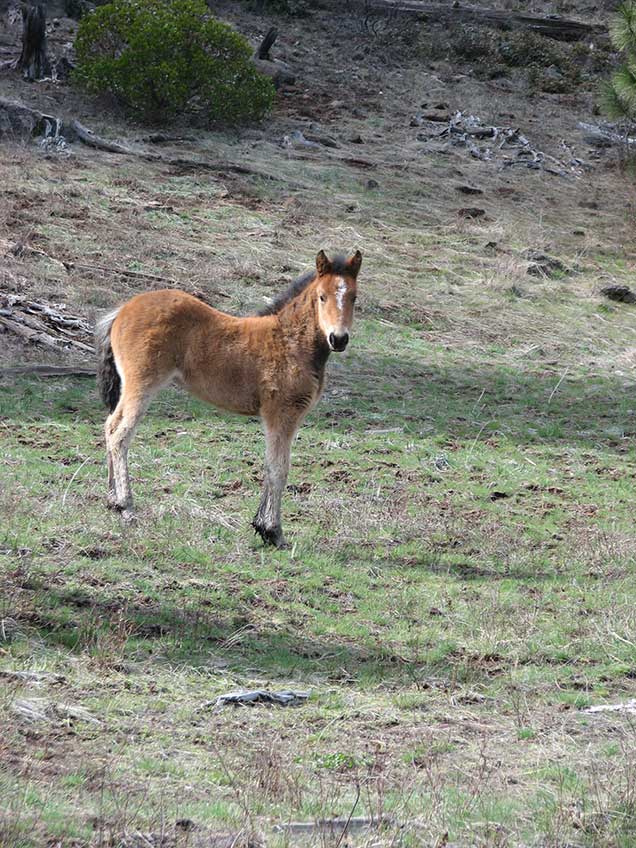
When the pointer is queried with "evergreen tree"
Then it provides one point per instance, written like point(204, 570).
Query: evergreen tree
point(619, 93)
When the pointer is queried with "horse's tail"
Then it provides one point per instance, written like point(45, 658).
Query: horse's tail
point(108, 379)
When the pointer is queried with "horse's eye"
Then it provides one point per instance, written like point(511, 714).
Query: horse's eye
point(322, 298)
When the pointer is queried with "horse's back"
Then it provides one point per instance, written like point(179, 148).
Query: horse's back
point(169, 333)
point(154, 330)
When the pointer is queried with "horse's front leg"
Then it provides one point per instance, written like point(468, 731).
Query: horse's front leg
point(278, 440)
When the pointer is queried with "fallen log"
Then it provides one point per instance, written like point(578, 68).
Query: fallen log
point(88, 137)
point(555, 27)
point(47, 371)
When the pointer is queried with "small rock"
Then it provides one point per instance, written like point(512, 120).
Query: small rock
point(516, 291)
point(543, 265)
point(372, 184)
point(320, 138)
point(620, 294)
point(472, 213)
point(436, 117)
point(466, 189)
point(356, 138)
point(498, 496)
point(297, 140)
point(553, 73)
point(39, 709)
point(31, 711)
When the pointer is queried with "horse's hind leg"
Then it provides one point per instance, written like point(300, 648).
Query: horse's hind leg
point(267, 522)
point(120, 428)
point(112, 493)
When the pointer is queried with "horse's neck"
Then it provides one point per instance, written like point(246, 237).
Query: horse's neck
point(299, 322)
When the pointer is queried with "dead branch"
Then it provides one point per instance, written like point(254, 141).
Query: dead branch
point(123, 272)
point(560, 29)
point(505, 145)
point(266, 44)
point(41, 323)
point(47, 371)
point(21, 248)
point(40, 337)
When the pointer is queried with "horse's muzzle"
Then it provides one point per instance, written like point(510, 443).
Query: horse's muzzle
point(338, 343)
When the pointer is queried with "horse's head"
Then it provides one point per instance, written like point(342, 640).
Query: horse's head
point(335, 288)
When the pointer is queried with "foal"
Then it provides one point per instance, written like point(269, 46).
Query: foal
point(271, 364)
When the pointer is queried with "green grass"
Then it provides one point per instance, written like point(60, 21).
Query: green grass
point(457, 545)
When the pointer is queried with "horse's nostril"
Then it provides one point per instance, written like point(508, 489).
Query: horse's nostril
point(338, 343)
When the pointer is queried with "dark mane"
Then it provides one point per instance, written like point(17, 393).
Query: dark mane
point(338, 263)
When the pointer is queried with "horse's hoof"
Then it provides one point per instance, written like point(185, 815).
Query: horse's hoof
point(271, 535)
point(111, 502)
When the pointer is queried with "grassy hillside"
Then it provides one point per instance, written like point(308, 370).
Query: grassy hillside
point(461, 584)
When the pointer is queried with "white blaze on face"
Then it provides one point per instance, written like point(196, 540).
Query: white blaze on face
point(341, 291)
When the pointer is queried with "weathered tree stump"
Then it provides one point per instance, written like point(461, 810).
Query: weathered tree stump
point(279, 72)
point(34, 62)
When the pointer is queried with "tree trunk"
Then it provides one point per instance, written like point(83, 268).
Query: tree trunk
point(34, 62)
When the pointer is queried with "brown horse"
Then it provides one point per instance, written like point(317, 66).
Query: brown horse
point(271, 364)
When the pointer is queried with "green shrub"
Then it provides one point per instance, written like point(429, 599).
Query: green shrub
point(519, 49)
point(619, 93)
point(162, 58)
point(474, 42)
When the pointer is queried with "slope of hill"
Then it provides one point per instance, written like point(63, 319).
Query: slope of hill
point(460, 591)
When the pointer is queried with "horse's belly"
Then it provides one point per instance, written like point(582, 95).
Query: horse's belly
point(237, 396)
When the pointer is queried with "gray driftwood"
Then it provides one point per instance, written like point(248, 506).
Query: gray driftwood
point(43, 324)
point(334, 825)
point(605, 135)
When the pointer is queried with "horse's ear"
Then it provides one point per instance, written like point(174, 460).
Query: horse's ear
point(323, 264)
point(354, 262)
